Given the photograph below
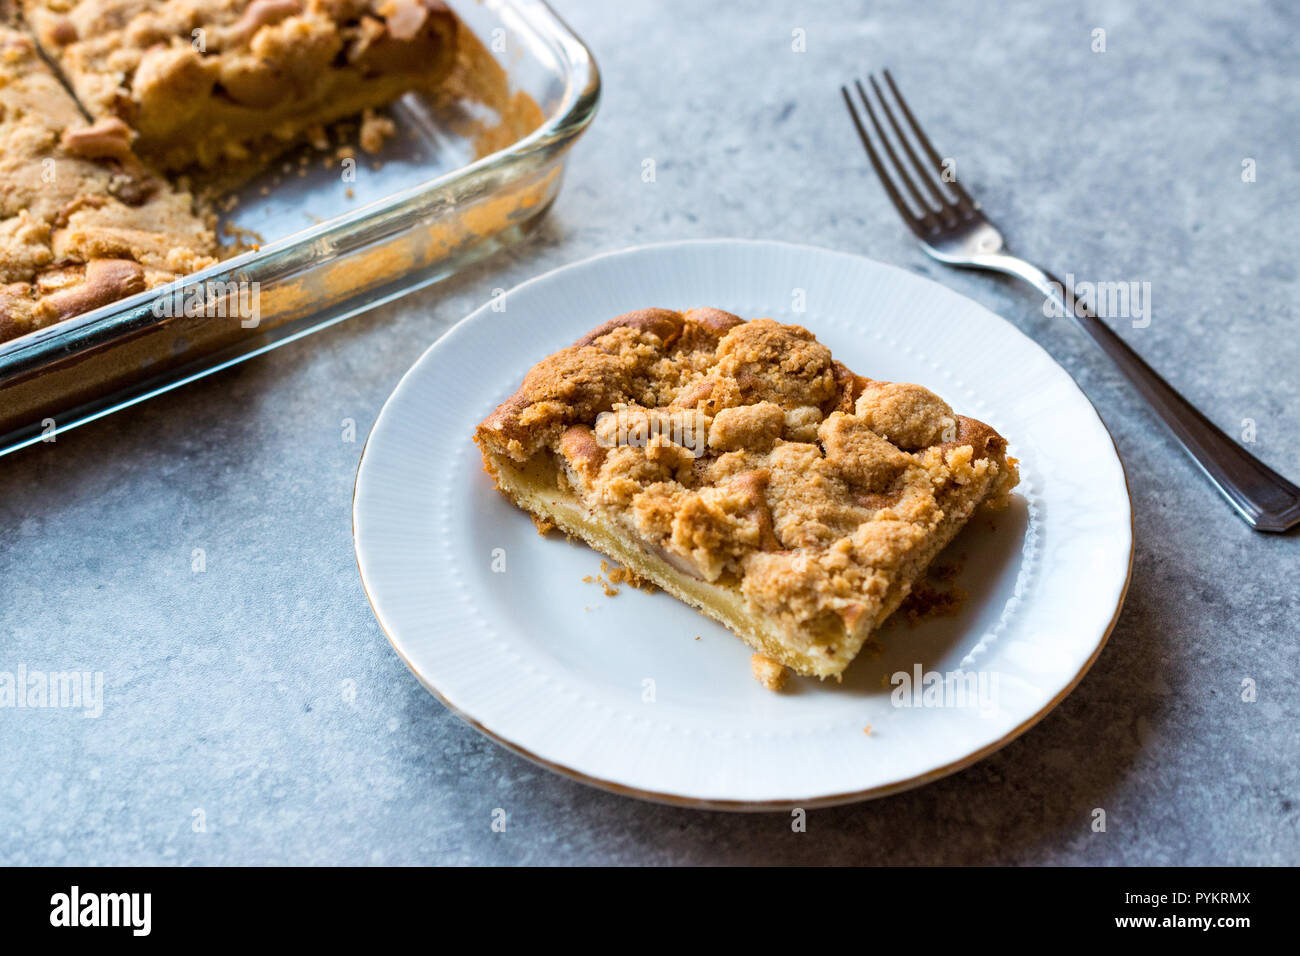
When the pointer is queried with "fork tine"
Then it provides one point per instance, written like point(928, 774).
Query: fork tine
point(963, 197)
point(922, 170)
point(927, 214)
point(908, 216)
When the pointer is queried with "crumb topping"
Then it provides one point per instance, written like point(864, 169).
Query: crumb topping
point(206, 82)
point(742, 453)
point(82, 221)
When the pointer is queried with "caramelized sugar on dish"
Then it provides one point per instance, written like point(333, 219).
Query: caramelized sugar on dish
point(739, 467)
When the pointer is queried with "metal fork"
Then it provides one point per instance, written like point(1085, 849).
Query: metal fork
point(951, 228)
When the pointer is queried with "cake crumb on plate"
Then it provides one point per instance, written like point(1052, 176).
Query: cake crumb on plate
point(771, 674)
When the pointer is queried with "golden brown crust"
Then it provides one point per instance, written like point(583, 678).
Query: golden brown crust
point(633, 358)
point(101, 281)
point(661, 323)
point(742, 452)
point(207, 82)
point(82, 221)
point(107, 139)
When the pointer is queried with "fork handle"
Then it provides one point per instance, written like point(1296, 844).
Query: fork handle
point(1264, 498)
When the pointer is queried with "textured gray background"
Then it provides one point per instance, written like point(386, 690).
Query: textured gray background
point(223, 688)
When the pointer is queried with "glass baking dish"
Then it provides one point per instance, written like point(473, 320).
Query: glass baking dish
point(460, 179)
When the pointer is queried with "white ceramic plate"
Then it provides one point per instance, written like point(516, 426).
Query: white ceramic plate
point(639, 693)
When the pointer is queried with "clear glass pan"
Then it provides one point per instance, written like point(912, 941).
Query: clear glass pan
point(338, 246)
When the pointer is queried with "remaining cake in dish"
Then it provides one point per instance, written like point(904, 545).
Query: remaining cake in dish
point(742, 469)
point(170, 85)
point(82, 221)
point(205, 82)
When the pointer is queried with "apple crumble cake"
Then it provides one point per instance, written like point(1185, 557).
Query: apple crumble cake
point(82, 221)
point(738, 466)
point(90, 208)
point(205, 82)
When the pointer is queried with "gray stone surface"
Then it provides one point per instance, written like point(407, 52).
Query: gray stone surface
point(223, 689)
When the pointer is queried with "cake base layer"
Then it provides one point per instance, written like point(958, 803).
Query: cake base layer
point(538, 488)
